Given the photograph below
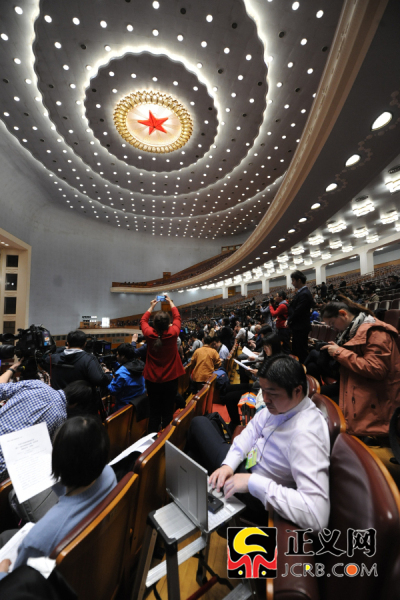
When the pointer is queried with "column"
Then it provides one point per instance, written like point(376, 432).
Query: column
point(288, 280)
point(224, 291)
point(265, 286)
point(366, 261)
point(320, 274)
point(243, 288)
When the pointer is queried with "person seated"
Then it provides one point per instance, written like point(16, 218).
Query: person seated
point(369, 365)
point(280, 458)
point(128, 381)
point(79, 460)
point(233, 392)
point(31, 402)
point(205, 361)
point(222, 350)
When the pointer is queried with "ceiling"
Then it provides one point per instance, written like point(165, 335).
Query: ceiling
point(247, 71)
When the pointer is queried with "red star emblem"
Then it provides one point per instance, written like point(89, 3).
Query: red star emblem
point(154, 123)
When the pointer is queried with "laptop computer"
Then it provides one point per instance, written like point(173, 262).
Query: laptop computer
point(187, 485)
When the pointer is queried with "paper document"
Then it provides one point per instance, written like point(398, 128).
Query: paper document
point(10, 550)
point(249, 353)
point(139, 446)
point(27, 454)
point(242, 365)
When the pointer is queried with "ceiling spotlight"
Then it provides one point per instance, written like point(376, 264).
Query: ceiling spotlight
point(129, 27)
point(390, 217)
point(103, 24)
point(133, 75)
point(361, 232)
point(381, 121)
point(336, 226)
point(363, 206)
point(331, 187)
point(290, 65)
point(179, 37)
point(394, 186)
point(226, 50)
point(295, 5)
point(316, 205)
point(279, 84)
point(209, 18)
point(352, 160)
point(155, 32)
point(199, 65)
point(17, 61)
point(47, 18)
point(316, 239)
point(18, 10)
point(28, 81)
point(248, 56)
point(319, 14)
point(65, 67)
point(302, 220)
point(303, 42)
point(156, 4)
point(291, 230)
point(4, 37)
point(75, 21)
point(107, 48)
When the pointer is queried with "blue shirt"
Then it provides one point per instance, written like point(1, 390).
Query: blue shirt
point(62, 518)
point(29, 403)
point(126, 386)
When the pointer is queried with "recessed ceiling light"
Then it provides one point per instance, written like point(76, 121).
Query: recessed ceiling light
point(156, 4)
point(199, 65)
point(331, 187)
point(17, 61)
point(290, 65)
point(47, 18)
point(75, 21)
point(381, 121)
point(107, 48)
point(103, 24)
point(352, 160)
point(316, 205)
point(4, 37)
point(295, 5)
point(129, 27)
point(240, 77)
point(65, 67)
point(248, 56)
point(133, 75)
point(226, 50)
point(279, 84)
point(88, 67)
point(302, 220)
point(291, 230)
point(179, 37)
point(303, 41)
point(18, 10)
point(319, 14)
point(155, 32)
point(16, 98)
point(309, 71)
point(204, 44)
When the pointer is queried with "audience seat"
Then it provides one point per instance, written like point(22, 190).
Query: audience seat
point(181, 423)
point(332, 413)
point(201, 401)
point(392, 317)
point(150, 466)
point(395, 304)
point(93, 557)
point(118, 428)
point(372, 305)
point(184, 380)
point(363, 495)
point(312, 385)
point(7, 519)
point(213, 394)
point(385, 304)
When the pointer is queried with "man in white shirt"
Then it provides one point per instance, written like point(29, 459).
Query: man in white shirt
point(220, 348)
point(286, 447)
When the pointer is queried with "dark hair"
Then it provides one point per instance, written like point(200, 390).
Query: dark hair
point(200, 334)
point(282, 295)
point(126, 350)
point(194, 335)
point(160, 324)
point(395, 277)
point(225, 321)
point(371, 287)
point(285, 371)
point(80, 451)
point(81, 399)
point(298, 275)
point(266, 329)
point(76, 339)
point(331, 310)
point(273, 341)
point(208, 340)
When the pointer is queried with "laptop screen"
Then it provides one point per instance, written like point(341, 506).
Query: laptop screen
point(187, 485)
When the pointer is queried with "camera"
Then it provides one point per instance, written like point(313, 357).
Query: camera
point(35, 342)
point(101, 350)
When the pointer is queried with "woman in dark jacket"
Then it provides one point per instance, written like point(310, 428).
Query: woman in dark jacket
point(163, 363)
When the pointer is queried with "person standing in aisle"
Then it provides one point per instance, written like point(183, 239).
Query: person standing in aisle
point(163, 363)
point(299, 315)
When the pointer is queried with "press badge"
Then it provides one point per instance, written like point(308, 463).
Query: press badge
point(251, 458)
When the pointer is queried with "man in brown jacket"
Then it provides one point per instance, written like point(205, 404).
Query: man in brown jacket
point(205, 361)
point(369, 368)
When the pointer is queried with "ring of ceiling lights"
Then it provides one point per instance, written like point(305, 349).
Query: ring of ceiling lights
point(170, 136)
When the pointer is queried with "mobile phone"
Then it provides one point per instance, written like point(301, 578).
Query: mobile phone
point(160, 298)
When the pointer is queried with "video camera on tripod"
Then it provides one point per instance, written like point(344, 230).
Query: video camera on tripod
point(102, 351)
point(32, 347)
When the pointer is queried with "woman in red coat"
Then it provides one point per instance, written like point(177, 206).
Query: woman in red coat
point(163, 363)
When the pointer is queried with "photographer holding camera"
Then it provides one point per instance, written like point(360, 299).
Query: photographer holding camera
point(74, 363)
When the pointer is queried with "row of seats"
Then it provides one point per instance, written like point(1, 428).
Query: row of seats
point(385, 304)
point(322, 333)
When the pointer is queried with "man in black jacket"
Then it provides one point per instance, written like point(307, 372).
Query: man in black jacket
point(299, 315)
point(75, 364)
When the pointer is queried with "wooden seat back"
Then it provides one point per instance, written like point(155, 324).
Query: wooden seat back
point(312, 385)
point(181, 425)
point(7, 519)
point(201, 401)
point(150, 466)
point(213, 394)
point(118, 427)
point(93, 557)
point(332, 413)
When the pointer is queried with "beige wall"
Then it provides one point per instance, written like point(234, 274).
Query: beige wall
point(9, 244)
